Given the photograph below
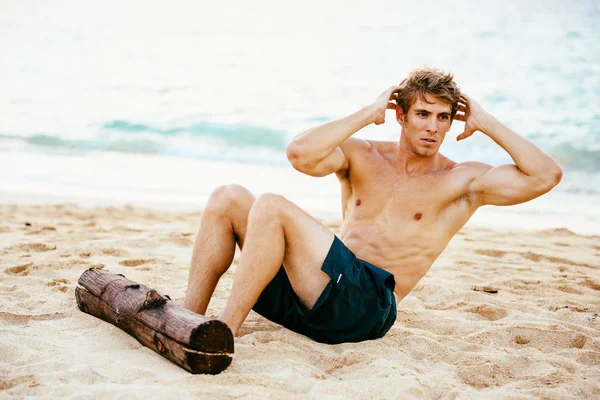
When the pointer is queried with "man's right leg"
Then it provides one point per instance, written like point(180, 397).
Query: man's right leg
point(223, 224)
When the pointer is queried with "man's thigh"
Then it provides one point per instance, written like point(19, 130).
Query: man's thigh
point(307, 244)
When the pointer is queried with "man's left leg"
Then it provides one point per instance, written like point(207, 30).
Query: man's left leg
point(278, 232)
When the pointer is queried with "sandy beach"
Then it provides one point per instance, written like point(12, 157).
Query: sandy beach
point(119, 119)
point(501, 314)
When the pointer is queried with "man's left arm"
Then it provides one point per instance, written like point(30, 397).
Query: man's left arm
point(533, 173)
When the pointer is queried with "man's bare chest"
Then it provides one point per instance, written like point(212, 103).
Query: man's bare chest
point(399, 199)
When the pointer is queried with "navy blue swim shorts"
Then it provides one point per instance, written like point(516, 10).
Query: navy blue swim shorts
point(357, 304)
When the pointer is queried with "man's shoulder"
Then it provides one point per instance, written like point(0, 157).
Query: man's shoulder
point(471, 167)
point(353, 144)
point(382, 144)
point(363, 146)
point(463, 174)
point(360, 154)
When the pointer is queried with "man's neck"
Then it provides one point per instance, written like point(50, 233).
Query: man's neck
point(413, 164)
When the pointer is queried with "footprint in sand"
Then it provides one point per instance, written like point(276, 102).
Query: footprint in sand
point(38, 247)
point(60, 283)
point(589, 358)
point(114, 252)
point(44, 229)
point(579, 341)
point(569, 288)
point(23, 319)
point(136, 262)
point(532, 256)
point(556, 260)
point(490, 312)
point(346, 360)
point(181, 241)
point(485, 374)
point(26, 269)
point(591, 284)
point(19, 270)
point(540, 338)
point(491, 253)
point(521, 340)
point(575, 308)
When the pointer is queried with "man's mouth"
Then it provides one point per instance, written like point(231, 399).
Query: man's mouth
point(428, 140)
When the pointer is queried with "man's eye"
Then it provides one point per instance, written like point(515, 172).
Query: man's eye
point(444, 117)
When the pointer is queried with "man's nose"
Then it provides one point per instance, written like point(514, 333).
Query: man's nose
point(432, 126)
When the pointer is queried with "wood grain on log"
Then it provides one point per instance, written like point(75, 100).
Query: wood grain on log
point(192, 341)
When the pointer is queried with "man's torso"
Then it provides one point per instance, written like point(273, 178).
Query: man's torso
point(402, 223)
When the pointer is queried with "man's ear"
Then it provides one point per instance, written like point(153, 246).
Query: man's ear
point(400, 117)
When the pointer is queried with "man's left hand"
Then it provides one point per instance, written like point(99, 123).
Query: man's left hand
point(472, 114)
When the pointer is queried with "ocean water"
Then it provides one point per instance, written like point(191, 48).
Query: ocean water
point(144, 101)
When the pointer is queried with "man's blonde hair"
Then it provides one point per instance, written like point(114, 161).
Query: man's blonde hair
point(432, 81)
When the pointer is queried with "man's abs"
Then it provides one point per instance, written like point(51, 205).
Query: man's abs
point(406, 253)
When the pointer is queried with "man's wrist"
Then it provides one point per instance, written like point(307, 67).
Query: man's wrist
point(368, 114)
point(486, 123)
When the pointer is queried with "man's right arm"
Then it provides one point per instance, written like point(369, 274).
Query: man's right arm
point(319, 151)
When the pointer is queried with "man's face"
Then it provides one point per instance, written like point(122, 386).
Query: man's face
point(425, 125)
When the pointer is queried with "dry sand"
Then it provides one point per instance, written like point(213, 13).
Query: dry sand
point(538, 336)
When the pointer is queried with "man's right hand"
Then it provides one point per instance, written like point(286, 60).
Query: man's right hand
point(318, 151)
point(385, 101)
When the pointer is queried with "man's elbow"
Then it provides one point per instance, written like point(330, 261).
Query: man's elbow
point(552, 177)
point(297, 157)
point(556, 174)
point(294, 154)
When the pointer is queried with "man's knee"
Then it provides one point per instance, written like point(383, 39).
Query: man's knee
point(229, 199)
point(269, 206)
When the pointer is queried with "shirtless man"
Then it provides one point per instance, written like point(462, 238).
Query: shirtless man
point(402, 202)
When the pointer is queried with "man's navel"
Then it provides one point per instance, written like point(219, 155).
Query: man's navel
point(418, 216)
point(358, 202)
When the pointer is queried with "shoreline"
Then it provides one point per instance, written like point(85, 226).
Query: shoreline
point(170, 183)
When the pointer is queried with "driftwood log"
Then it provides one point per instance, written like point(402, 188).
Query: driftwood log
point(192, 341)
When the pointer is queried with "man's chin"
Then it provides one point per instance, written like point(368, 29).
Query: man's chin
point(425, 152)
